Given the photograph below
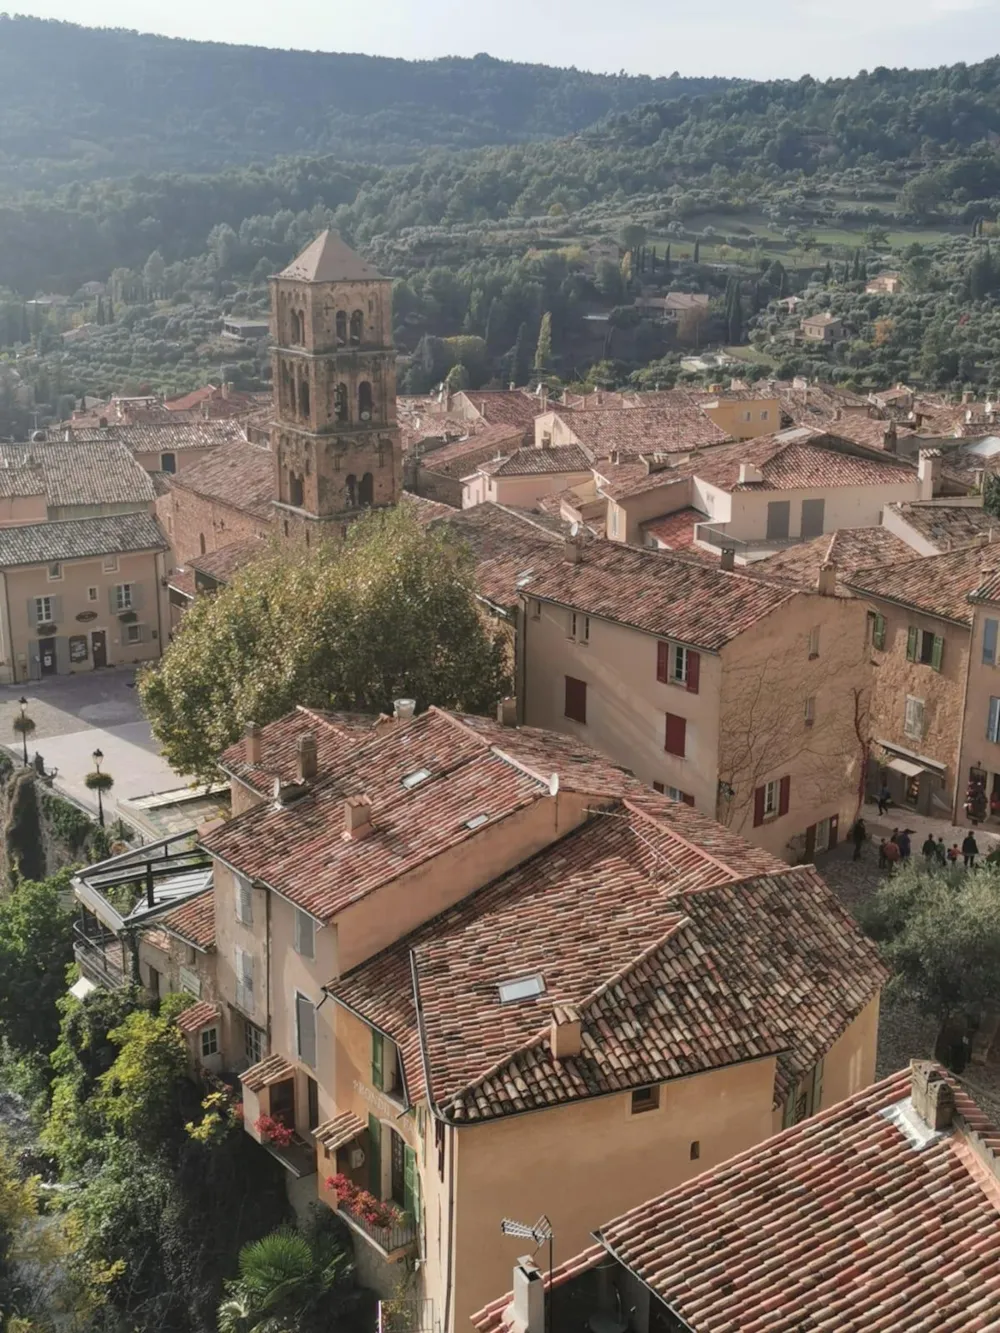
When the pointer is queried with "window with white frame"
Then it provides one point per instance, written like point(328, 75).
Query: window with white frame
point(772, 797)
point(993, 721)
point(209, 1042)
point(55, 572)
point(91, 594)
point(133, 634)
point(913, 718)
point(765, 414)
point(579, 627)
point(110, 564)
point(123, 597)
point(253, 1043)
point(43, 610)
point(678, 664)
point(244, 901)
point(305, 934)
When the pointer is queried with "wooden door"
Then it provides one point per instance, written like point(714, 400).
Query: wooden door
point(99, 647)
point(47, 656)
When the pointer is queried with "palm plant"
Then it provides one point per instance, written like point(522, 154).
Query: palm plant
point(284, 1278)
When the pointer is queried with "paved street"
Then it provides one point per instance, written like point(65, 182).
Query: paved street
point(75, 715)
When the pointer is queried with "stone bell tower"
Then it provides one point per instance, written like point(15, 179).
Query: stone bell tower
point(334, 436)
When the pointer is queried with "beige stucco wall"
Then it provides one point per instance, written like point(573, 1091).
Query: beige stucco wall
point(638, 509)
point(18, 635)
point(849, 1065)
point(977, 750)
point(17, 509)
point(844, 507)
point(746, 418)
point(230, 934)
point(198, 966)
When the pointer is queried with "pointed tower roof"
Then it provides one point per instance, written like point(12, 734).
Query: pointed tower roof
point(328, 259)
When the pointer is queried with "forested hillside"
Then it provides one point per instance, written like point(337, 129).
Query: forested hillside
point(76, 103)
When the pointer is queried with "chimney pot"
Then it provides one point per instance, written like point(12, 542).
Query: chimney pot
point(826, 581)
point(528, 1307)
point(727, 558)
point(931, 1094)
point(572, 551)
point(253, 744)
point(507, 711)
point(357, 817)
point(565, 1037)
point(404, 709)
point(307, 758)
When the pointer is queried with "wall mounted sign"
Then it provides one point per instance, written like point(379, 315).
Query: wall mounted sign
point(84, 616)
point(78, 647)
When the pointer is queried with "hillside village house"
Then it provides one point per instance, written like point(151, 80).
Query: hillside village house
point(885, 284)
point(734, 694)
point(861, 1218)
point(526, 476)
point(404, 915)
point(824, 328)
point(54, 481)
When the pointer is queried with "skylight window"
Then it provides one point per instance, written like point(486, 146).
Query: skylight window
point(414, 779)
point(477, 821)
point(525, 578)
point(523, 988)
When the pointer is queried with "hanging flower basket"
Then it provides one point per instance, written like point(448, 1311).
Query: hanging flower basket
point(128, 618)
point(273, 1130)
point(364, 1204)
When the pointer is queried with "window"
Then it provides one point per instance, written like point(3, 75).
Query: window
point(579, 627)
point(123, 597)
point(675, 741)
point(521, 988)
point(209, 1042)
point(993, 722)
point(43, 610)
point(913, 718)
point(764, 416)
point(576, 700)
point(244, 980)
point(810, 710)
point(365, 401)
point(695, 1151)
point(645, 1099)
point(168, 463)
point(924, 647)
point(747, 416)
point(253, 1043)
point(305, 1030)
point(341, 327)
point(674, 793)
point(91, 594)
point(814, 642)
point(110, 564)
point(244, 901)
point(153, 980)
point(340, 403)
point(771, 800)
point(536, 609)
point(55, 572)
point(414, 779)
point(877, 625)
point(305, 934)
point(133, 634)
point(677, 665)
point(378, 1051)
point(357, 327)
point(312, 1102)
point(805, 1099)
point(990, 628)
point(366, 490)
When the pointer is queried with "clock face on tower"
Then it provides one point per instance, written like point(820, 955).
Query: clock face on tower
point(334, 434)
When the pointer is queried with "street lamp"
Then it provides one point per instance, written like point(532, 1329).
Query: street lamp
point(539, 1233)
point(24, 728)
point(97, 756)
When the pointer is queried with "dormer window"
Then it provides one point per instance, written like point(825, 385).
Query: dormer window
point(414, 779)
point(521, 988)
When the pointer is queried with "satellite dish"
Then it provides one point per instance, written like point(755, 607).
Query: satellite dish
point(575, 530)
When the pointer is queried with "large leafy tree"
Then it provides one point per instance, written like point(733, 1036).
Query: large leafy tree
point(393, 613)
point(36, 946)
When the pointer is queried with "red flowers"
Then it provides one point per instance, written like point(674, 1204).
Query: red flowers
point(363, 1203)
point(269, 1128)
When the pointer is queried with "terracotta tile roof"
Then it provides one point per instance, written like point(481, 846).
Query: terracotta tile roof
point(839, 1223)
point(824, 318)
point(163, 436)
point(227, 560)
point(850, 549)
point(333, 1134)
point(462, 457)
point(473, 767)
point(193, 921)
point(275, 1069)
point(200, 1015)
point(238, 474)
point(675, 532)
point(211, 394)
point(988, 590)
point(18, 481)
point(99, 472)
point(497, 1317)
point(795, 460)
point(676, 961)
point(507, 545)
point(673, 427)
point(660, 593)
point(947, 526)
point(506, 407)
point(937, 585)
point(79, 539)
point(425, 509)
point(869, 431)
point(182, 581)
point(336, 733)
point(531, 462)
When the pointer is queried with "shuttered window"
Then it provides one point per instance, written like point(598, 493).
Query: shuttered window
point(244, 980)
point(993, 722)
point(377, 1061)
point(375, 1156)
point(878, 631)
point(772, 799)
point(676, 735)
point(576, 699)
point(913, 718)
point(244, 901)
point(305, 934)
point(305, 1030)
point(990, 628)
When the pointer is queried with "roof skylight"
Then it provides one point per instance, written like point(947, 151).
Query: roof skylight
point(414, 779)
point(525, 578)
point(522, 988)
point(477, 821)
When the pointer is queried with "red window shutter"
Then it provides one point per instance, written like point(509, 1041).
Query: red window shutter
point(784, 795)
point(688, 800)
point(676, 735)
point(694, 671)
point(663, 662)
point(576, 699)
point(758, 807)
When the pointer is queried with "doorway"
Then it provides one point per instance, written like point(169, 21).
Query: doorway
point(812, 518)
point(47, 656)
point(778, 512)
point(99, 647)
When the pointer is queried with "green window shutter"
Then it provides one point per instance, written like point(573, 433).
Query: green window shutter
point(377, 1060)
point(375, 1156)
point(136, 596)
point(56, 609)
point(878, 636)
point(411, 1183)
point(817, 1087)
point(912, 638)
point(937, 652)
point(32, 611)
point(112, 598)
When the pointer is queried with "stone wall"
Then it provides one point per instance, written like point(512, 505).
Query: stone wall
point(195, 524)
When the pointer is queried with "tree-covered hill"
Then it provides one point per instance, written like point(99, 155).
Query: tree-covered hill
point(81, 102)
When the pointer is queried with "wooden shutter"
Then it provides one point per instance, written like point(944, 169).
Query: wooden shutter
point(758, 807)
point(993, 724)
point(788, 1113)
point(32, 611)
point(377, 1060)
point(663, 662)
point(912, 641)
point(937, 652)
point(305, 1026)
point(878, 633)
point(375, 1156)
point(411, 1181)
point(55, 606)
point(688, 800)
point(694, 671)
point(990, 628)
point(784, 795)
point(113, 597)
point(136, 596)
point(676, 737)
point(576, 700)
point(817, 1086)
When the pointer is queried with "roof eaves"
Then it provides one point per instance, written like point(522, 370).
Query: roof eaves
point(910, 606)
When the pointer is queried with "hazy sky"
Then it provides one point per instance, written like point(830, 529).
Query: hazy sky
point(770, 38)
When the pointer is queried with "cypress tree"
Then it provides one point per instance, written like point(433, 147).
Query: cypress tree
point(697, 251)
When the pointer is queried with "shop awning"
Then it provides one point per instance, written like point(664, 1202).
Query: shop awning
point(905, 767)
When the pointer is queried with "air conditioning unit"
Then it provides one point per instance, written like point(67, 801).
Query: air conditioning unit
point(357, 1158)
point(366, 416)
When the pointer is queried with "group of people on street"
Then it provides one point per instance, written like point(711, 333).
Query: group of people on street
point(897, 848)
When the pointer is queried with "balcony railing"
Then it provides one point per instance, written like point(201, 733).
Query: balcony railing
point(100, 960)
point(390, 1240)
point(716, 535)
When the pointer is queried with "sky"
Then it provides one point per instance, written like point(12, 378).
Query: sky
point(769, 39)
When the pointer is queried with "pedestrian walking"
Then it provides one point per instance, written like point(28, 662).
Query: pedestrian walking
point(882, 861)
point(953, 854)
point(941, 851)
point(970, 850)
point(929, 849)
point(903, 843)
point(884, 799)
point(858, 835)
point(891, 850)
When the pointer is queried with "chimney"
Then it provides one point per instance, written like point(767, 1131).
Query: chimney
point(357, 818)
point(227, 389)
point(528, 1307)
point(68, 435)
point(837, 413)
point(889, 438)
point(543, 397)
point(967, 396)
point(929, 472)
point(306, 751)
point(403, 709)
point(448, 398)
point(749, 473)
point(826, 582)
point(252, 734)
point(564, 1035)
point(572, 551)
point(507, 711)
point(727, 558)
point(933, 1099)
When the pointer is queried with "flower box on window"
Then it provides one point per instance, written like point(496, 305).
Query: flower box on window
point(47, 628)
point(128, 617)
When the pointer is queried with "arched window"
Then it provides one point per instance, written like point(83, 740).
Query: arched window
point(365, 401)
point(357, 328)
point(304, 397)
point(168, 462)
point(287, 387)
point(201, 542)
point(340, 405)
point(366, 493)
point(350, 490)
point(295, 490)
point(341, 327)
